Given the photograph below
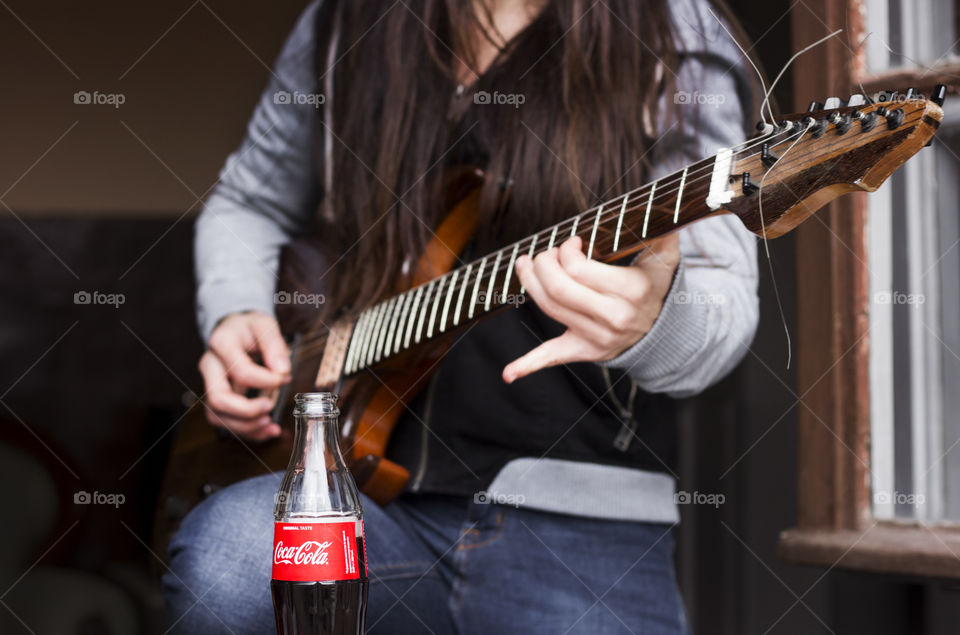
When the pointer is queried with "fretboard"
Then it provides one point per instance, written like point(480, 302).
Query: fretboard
point(609, 232)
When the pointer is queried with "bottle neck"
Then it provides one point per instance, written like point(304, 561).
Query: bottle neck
point(317, 443)
point(317, 483)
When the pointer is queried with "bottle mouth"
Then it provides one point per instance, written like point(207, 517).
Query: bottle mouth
point(316, 404)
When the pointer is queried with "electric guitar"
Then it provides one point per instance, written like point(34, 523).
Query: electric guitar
point(380, 356)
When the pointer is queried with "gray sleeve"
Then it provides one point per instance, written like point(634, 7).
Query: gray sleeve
point(267, 191)
point(710, 313)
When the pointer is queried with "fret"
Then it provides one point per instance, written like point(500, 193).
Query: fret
point(646, 218)
point(358, 333)
point(367, 334)
point(423, 312)
point(413, 316)
point(593, 233)
point(351, 347)
point(616, 236)
point(433, 309)
point(375, 334)
point(391, 329)
point(493, 277)
point(388, 317)
point(376, 310)
point(446, 302)
point(463, 290)
point(404, 312)
point(348, 364)
point(553, 238)
point(573, 230)
point(506, 281)
point(533, 243)
point(676, 210)
point(476, 288)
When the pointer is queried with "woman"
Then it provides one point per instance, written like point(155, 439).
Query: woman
point(563, 409)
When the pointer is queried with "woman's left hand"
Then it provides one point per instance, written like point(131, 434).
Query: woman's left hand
point(606, 308)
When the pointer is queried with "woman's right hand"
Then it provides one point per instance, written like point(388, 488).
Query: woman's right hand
point(229, 371)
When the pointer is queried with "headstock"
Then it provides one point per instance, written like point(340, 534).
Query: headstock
point(837, 147)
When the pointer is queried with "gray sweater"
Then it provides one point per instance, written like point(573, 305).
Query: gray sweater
point(267, 194)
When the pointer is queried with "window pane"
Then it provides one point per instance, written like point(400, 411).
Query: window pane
point(915, 336)
point(904, 33)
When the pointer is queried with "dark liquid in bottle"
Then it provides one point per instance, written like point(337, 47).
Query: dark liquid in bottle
point(322, 608)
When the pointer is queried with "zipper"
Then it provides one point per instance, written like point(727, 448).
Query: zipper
point(628, 423)
point(424, 434)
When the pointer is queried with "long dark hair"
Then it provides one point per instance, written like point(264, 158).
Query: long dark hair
point(590, 77)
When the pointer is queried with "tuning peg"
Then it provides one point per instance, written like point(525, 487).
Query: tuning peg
point(832, 103)
point(867, 121)
point(785, 126)
point(843, 124)
point(817, 129)
point(856, 100)
point(766, 157)
point(894, 118)
point(911, 94)
point(748, 186)
point(939, 94)
point(814, 106)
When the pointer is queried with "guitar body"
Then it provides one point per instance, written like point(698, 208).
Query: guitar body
point(205, 459)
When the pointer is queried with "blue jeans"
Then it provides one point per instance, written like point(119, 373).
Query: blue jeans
point(438, 565)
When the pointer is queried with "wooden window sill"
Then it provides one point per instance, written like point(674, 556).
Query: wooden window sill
point(894, 547)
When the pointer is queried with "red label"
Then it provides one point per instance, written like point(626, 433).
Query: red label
point(315, 552)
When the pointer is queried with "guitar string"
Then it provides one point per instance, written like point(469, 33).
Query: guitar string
point(671, 179)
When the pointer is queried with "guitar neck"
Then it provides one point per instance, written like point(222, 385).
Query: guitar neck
point(611, 231)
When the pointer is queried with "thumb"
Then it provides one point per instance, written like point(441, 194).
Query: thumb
point(273, 348)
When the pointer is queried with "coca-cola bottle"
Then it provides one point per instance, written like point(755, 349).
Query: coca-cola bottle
point(319, 560)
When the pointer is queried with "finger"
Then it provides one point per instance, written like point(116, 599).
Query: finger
point(567, 291)
point(613, 280)
point(255, 430)
point(571, 318)
point(221, 396)
point(559, 350)
point(228, 346)
point(271, 344)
